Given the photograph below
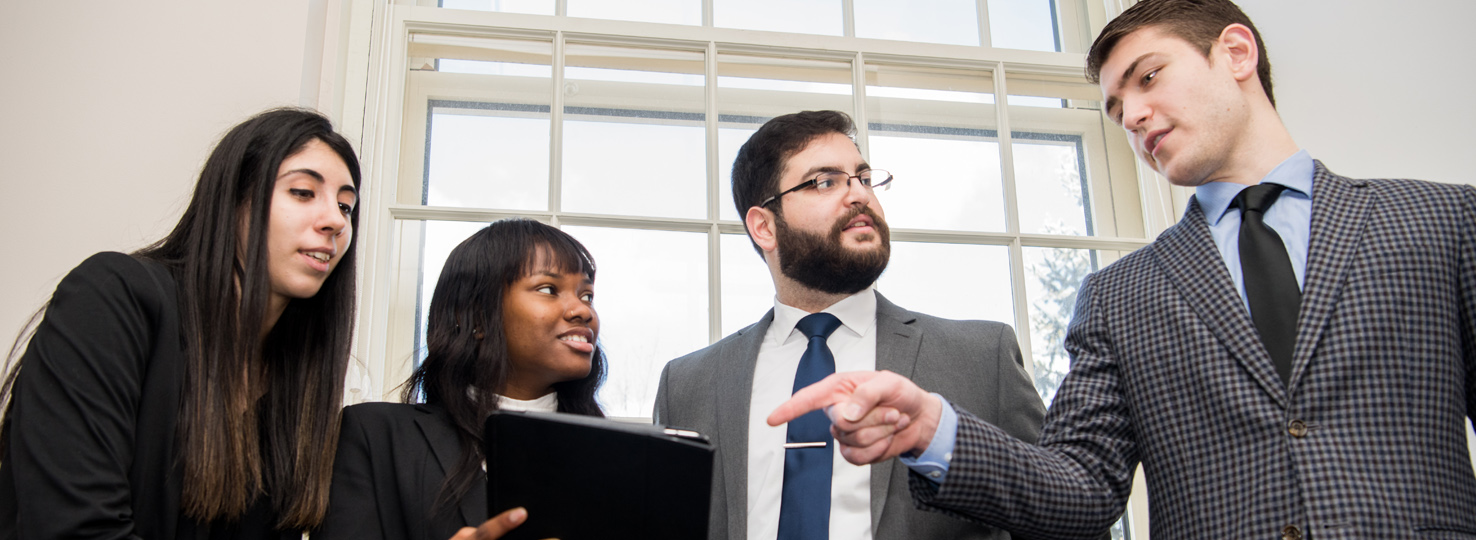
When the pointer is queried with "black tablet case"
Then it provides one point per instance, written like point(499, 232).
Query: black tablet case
point(584, 478)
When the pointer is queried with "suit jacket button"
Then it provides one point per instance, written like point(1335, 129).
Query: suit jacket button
point(1297, 428)
point(1291, 532)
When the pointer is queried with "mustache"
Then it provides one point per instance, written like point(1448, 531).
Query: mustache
point(856, 211)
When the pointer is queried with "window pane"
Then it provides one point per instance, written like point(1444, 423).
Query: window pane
point(1062, 151)
point(816, 17)
point(478, 67)
point(934, 129)
point(651, 294)
point(536, 7)
point(941, 183)
point(954, 22)
point(634, 141)
point(729, 141)
point(1023, 24)
point(488, 159)
point(1048, 183)
point(486, 126)
point(440, 237)
point(912, 280)
point(1052, 277)
point(659, 11)
point(748, 291)
point(754, 89)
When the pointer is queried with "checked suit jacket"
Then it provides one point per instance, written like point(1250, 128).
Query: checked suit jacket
point(975, 364)
point(1366, 441)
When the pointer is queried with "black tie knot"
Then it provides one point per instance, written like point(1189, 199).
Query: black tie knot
point(1258, 198)
point(818, 325)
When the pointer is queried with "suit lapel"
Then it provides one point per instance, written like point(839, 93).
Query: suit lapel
point(438, 433)
point(734, 395)
point(897, 345)
point(1186, 253)
point(1339, 214)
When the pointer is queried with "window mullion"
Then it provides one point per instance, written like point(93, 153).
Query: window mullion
point(858, 95)
point(985, 38)
point(714, 236)
point(848, 13)
point(556, 129)
point(1012, 217)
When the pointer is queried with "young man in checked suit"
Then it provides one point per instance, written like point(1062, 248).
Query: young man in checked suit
point(810, 207)
point(1311, 382)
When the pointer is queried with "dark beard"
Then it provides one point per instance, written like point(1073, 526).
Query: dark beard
point(819, 261)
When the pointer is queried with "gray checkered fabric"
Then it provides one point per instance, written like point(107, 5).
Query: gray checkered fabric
point(1366, 441)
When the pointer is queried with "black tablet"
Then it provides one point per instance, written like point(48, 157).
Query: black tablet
point(584, 478)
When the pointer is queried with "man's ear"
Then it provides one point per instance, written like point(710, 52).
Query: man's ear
point(1237, 45)
point(762, 228)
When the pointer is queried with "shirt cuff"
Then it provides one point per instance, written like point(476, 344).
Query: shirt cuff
point(933, 463)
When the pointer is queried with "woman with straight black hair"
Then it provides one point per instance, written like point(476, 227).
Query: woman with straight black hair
point(192, 389)
point(512, 326)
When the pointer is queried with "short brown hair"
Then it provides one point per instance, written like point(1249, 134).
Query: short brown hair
point(1198, 22)
point(761, 160)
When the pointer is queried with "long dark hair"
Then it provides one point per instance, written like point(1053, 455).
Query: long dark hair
point(238, 447)
point(466, 363)
point(233, 446)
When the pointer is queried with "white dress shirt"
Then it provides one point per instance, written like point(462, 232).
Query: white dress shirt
point(548, 403)
point(854, 348)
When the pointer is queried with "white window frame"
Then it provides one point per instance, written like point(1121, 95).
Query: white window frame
point(375, 82)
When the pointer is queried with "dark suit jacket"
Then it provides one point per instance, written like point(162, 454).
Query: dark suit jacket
point(975, 364)
point(92, 429)
point(1367, 441)
point(392, 459)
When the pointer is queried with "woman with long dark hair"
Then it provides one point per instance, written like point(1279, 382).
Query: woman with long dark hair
point(190, 389)
point(512, 326)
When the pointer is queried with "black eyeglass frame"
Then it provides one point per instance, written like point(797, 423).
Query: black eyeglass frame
point(815, 183)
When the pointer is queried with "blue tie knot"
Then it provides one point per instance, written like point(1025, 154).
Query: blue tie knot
point(819, 325)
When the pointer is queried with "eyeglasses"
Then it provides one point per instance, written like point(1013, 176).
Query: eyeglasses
point(827, 182)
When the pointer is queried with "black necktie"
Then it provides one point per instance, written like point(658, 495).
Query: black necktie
point(804, 510)
point(1270, 282)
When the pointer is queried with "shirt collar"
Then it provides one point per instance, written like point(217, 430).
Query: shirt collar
point(1295, 173)
point(547, 403)
point(856, 312)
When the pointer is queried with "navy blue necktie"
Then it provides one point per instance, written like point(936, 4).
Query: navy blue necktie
point(804, 512)
point(1270, 283)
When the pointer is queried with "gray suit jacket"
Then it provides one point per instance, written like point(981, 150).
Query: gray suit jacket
point(975, 364)
point(1367, 440)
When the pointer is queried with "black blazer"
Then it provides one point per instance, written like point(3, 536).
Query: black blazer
point(392, 459)
point(93, 421)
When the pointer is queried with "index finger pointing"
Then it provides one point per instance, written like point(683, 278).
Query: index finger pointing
point(829, 391)
point(810, 398)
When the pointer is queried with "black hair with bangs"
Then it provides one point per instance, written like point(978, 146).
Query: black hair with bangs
point(466, 364)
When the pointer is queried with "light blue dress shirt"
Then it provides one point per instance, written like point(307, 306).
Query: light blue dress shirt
point(1290, 217)
point(933, 463)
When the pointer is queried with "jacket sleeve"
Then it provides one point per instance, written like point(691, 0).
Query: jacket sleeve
point(1021, 411)
point(662, 412)
point(1467, 283)
point(1075, 482)
point(75, 402)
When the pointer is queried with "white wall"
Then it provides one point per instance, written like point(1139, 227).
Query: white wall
point(108, 111)
point(1375, 89)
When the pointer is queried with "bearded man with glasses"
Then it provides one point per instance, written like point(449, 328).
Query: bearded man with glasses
point(809, 203)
